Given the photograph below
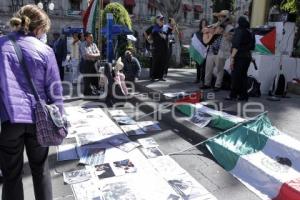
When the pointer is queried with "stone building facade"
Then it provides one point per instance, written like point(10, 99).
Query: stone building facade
point(68, 13)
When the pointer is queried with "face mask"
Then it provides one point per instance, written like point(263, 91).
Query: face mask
point(43, 38)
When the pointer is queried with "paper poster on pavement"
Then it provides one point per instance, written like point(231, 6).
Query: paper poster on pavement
point(132, 130)
point(148, 142)
point(88, 190)
point(123, 143)
point(119, 190)
point(126, 120)
point(166, 166)
point(67, 152)
point(124, 167)
point(77, 176)
point(152, 152)
point(117, 113)
point(88, 138)
point(188, 188)
point(201, 119)
point(149, 126)
point(104, 171)
point(91, 155)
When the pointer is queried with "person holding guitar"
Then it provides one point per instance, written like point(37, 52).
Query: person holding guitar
point(218, 36)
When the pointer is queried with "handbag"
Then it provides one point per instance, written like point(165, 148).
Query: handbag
point(50, 125)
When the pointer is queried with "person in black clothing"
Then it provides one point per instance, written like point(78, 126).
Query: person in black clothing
point(242, 44)
point(60, 51)
point(148, 45)
point(160, 49)
point(201, 68)
point(171, 27)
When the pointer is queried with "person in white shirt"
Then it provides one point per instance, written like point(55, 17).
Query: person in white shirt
point(75, 56)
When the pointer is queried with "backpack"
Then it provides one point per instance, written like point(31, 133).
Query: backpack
point(279, 86)
point(253, 87)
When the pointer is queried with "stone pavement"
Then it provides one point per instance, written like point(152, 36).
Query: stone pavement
point(176, 136)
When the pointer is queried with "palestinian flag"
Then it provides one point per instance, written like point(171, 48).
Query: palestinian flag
point(197, 50)
point(264, 159)
point(90, 16)
point(266, 44)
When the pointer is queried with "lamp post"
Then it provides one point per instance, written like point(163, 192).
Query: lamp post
point(46, 5)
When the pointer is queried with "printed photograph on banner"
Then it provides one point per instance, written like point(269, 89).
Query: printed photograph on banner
point(77, 176)
point(148, 142)
point(124, 167)
point(104, 171)
point(67, 152)
point(91, 155)
point(126, 120)
point(123, 143)
point(117, 113)
point(149, 126)
point(132, 130)
point(88, 190)
point(201, 119)
point(152, 152)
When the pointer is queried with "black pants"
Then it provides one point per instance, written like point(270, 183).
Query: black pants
point(89, 70)
point(159, 63)
point(239, 77)
point(61, 71)
point(200, 71)
point(170, 52)
point(13, 138)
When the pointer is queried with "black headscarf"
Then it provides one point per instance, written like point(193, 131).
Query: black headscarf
point(243, 22)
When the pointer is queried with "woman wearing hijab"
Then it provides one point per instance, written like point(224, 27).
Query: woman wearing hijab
point(242, 44)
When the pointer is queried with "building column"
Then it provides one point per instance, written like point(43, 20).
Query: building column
point(259, 12)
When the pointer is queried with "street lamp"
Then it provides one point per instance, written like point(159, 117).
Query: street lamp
point(47, 5)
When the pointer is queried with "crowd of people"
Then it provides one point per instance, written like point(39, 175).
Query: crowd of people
point(226, 40)
point(17, 102)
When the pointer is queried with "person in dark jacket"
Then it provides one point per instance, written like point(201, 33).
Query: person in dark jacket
point(17, 103)
point(132, 67)
point(160, 49)
point(242, 44)
point(201, 68)
point(61, 51)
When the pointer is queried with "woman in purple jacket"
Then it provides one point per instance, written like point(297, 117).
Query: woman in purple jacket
point(17, 103)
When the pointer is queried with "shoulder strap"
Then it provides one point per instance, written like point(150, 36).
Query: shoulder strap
point(24, 66)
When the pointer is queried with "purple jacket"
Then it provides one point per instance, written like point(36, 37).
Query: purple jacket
point(17, 102)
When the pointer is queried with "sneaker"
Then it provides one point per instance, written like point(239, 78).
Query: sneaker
point(162, 79)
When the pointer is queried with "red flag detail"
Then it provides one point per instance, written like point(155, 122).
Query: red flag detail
point(269, 40)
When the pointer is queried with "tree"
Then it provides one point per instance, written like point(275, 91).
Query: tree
point(289, 6)
point(171, 8)
point(121, 17)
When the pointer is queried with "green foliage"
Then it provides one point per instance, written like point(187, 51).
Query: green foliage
point(121, 17)
point(120, 14)
point(289, 6)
